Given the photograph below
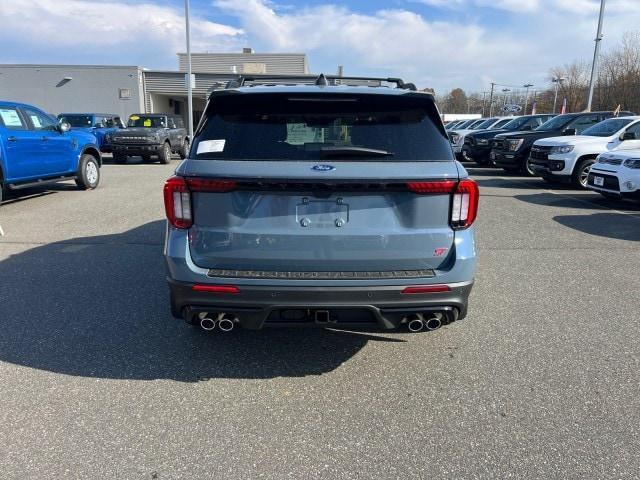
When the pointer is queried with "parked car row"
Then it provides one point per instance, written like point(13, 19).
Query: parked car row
point(594, 150)
point(37, 148)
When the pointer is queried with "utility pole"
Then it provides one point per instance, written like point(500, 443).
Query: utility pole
point(596, 54)
point(491, 99)
point(484, 96)
point(189, 86)
point(526, 98)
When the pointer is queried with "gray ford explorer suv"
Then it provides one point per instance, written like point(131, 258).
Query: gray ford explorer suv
point(321, 204)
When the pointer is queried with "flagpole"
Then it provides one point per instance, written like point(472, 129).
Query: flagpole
point(596, 54)
point(189, 86)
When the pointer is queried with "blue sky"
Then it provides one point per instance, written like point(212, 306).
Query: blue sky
point(436, 43)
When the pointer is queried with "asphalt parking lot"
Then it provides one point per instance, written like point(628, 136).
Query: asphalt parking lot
point(542, 380)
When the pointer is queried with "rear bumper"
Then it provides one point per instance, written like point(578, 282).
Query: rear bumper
point(275, 306)
point(135, 150)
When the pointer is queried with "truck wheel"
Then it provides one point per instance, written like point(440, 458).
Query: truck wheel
point(466, 154)
point(165, 154)
point(119, 158)
point(184, 151)
point(527, 170)
point(88, 173)
point(581, 173)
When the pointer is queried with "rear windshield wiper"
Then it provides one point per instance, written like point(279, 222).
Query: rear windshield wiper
point(353, 152)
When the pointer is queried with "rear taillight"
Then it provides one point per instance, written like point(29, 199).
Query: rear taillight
point(464, 207)
point(208, 185)
point(177, 197)
point(177, 202)
point(465, 196)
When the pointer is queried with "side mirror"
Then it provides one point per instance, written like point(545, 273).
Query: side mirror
point(569, 131)
point(628, 136)
point(63, 126)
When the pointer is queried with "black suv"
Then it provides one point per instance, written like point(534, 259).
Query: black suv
point(511, 150)
point(150, 135)
point(477, 145)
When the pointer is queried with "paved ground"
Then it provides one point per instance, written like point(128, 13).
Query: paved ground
point(97, 381)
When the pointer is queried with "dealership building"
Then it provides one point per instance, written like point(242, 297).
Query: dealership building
point(124, 90)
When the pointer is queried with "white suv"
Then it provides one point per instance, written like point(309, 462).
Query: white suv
point(616, 174)
point(569, 158)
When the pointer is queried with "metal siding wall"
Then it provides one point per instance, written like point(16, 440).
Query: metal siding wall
point(92, 89)
point(282, 64)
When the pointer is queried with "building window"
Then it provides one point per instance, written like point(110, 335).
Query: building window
point(125, 93)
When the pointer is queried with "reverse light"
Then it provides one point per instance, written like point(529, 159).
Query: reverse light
point(464, 207)
point(177, 202)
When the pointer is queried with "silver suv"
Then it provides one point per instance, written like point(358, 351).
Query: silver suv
point(321, 204)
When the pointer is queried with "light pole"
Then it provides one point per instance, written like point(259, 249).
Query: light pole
point(557, 81)
point(526, 98)
point(596, 54)
point(505, 91)
point(189, 86)
point(491, 99)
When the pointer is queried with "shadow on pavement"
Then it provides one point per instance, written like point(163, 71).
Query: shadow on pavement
point(610, 225)
point(98, 307)
point(581, 200)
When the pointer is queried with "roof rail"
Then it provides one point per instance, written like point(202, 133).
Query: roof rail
point(322, 79)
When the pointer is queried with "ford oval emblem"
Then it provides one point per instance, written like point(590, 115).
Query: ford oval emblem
point(323, 168)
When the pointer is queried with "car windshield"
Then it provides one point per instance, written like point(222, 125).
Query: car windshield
point(555, 123)
point(501, 123)
point(463, 124)
point(486, 124)
point(147, 121)
point(516, 123)
point(313, 127)
point(78, 121)
point(608, 127)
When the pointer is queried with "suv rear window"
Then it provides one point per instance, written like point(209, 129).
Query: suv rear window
point(298, 126)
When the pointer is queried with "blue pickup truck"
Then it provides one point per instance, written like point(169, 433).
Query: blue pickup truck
point(35, 149)
point(102, 125)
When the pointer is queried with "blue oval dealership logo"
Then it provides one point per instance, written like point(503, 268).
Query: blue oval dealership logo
point(323, 168)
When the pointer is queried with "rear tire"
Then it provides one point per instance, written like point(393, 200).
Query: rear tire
point(184, 151)
point(88, 176)
point(119, 158)
point(581, 173)
point(165, 154)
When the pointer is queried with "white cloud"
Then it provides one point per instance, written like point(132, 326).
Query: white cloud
point(98, 25)
point(535, 36)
